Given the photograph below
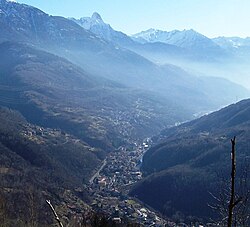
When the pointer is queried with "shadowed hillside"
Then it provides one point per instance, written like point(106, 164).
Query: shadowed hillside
point(38, 164)
point(51, 91)
point(188, 161)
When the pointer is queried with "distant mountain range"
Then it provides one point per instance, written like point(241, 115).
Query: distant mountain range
point(187, 49)
point(188, 39)
point(187, 162)
point(232, 42)
point(192, 40)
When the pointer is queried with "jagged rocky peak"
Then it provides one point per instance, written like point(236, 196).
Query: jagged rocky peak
point(96, 16)
point(89, 22)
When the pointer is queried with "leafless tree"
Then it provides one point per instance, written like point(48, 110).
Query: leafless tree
point(233, 200)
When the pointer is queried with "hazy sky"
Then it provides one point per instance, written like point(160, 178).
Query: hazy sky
point(209, 17)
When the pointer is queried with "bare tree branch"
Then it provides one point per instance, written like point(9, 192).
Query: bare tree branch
point(54, 212)
point(232, 196)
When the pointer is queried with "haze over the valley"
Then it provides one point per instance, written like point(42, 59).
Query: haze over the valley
point(121, 113)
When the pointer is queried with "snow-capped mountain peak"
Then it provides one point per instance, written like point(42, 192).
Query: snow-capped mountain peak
point(96, 25)
point(185, 38)
point(155, 35)
point(232, 42)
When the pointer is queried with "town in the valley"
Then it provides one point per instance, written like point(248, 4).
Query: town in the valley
point(111, 183)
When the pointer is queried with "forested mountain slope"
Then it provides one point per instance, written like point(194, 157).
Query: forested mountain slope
point(36, 164)
point(50, 91)
point(188, 161)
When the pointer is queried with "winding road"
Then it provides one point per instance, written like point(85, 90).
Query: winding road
point(98, 171)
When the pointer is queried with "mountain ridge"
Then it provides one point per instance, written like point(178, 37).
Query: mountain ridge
point(188, 39)
point(96, 25)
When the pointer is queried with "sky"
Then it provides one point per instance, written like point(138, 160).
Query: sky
point(212, 18)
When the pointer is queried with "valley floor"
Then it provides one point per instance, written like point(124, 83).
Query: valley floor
point(110, 185)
